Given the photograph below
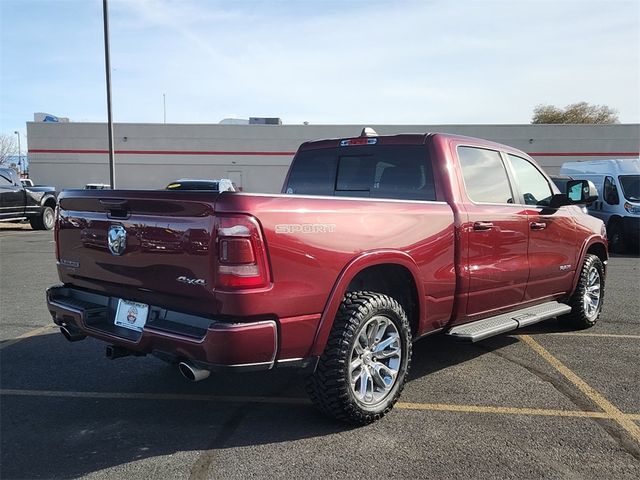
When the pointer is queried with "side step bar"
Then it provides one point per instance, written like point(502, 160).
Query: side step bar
point(488, 327)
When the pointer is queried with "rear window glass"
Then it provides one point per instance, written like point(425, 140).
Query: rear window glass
point(395, 172)
point(313, 173)
point(485, 177)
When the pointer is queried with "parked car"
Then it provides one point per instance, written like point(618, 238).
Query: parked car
point(34, 203)
point(97, 186)
point(618, 206)
point(376, 241)
point(218, 185)
point(26, 182)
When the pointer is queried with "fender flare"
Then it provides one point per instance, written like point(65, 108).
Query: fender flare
point(45, 198)
point(348, 273)
point(592, 240)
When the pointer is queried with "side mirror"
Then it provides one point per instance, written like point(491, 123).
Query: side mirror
point(581, 191)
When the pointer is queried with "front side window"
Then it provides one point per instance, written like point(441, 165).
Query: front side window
point(485, 177)
point(610, 192)
point(5, 181)
point(532, 184)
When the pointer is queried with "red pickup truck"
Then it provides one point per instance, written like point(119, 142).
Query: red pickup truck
point(375, 242)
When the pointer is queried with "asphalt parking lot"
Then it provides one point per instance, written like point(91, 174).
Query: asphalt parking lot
point(545, 403)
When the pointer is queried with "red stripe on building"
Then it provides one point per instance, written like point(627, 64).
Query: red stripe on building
point(156, 152)
point(235, 153)
point(583, 154)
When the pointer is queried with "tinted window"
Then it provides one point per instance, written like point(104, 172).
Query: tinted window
point(532, 184)
point(610, 192)
point(630, 187)
point(355, 173)
point(313, 173)
point(485, 177)
point(399, 171)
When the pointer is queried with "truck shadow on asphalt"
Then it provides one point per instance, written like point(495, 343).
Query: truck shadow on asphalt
point(100, 423)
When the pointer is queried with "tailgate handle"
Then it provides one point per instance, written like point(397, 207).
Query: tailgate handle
point(117, 208)
point(111, 203)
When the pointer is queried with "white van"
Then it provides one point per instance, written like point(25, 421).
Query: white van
point(618, 204)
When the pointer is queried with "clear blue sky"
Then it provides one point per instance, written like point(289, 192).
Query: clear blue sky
point(368, 61)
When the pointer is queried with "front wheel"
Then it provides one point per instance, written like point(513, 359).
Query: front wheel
point(364, 366)
point(586, 301)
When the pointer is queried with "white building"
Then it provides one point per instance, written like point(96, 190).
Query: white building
point(256, 157)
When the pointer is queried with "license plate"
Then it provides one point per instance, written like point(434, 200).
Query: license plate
point(131, 315)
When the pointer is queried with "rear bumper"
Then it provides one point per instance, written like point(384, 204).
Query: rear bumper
point(211, 343)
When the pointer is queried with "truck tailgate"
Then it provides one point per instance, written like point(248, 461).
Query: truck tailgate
point(167, 236)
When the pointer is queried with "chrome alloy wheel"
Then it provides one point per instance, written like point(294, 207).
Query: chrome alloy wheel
point(48, 219)
point(592, 293)
point(375, 360)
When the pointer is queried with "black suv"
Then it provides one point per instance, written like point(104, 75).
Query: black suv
point(36, 204)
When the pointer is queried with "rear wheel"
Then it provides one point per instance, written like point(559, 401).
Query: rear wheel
point(364, 366)
point(44, 221)
point(586, 301)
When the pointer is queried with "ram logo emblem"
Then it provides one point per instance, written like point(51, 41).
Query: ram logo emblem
point(117, 239)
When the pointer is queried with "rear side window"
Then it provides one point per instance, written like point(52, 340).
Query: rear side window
point(399, 172)
point(610, 193)
point(485, 177)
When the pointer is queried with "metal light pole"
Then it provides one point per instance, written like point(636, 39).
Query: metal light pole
point(19, 150)
point(164, 107)
point(107, 66)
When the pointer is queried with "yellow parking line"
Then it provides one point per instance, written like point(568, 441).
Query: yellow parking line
point(615, 414)
point(31, 333)
point(154, 396)
point(303, 401)
point(500, 410)
point(605, 335)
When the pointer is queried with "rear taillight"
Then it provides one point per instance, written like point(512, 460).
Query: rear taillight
point(241, 254)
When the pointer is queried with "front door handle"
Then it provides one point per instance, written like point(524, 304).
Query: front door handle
point(538, 225)
point(482, 226)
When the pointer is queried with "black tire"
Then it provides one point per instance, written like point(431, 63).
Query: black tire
point(330, 386)
point(617, 240)
point(44, 221)
point(584, 314)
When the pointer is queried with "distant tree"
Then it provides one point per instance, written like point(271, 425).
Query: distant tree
point(7, 148)
point(581, 112)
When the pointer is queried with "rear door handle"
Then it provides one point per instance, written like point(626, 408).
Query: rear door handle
point(538, 225)
point(482, 226)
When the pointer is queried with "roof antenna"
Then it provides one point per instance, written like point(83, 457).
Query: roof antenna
point(368, 132)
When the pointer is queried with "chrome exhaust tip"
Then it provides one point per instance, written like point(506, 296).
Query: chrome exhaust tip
point(72, 334)
point(191, 372)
